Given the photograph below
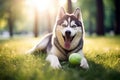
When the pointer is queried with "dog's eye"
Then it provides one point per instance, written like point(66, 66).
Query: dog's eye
point(74, 26)
point(64, 25)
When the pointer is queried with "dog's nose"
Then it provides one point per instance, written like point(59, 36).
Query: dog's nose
point(68, 33)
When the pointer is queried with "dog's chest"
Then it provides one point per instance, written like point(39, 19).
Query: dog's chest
point(63, 54)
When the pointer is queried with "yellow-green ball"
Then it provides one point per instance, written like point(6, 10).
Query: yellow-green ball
point(75, 58)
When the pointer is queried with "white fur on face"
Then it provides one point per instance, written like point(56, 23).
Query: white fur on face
point(73, 23)
point(69, 28)
point(69, 20)
point(65, 22)
point(75, 31)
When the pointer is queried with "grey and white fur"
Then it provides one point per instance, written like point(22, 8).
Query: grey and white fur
point(67, 38)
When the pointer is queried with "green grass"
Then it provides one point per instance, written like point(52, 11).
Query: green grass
point(103, 54)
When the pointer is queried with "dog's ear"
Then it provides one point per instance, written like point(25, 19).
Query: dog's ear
point(77, 13)
point(61, 13)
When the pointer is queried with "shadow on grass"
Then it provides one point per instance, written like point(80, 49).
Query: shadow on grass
point(95, 72)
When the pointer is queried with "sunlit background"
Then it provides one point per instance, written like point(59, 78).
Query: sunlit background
point(37, 17)
point(22, 20)
point(27, 13)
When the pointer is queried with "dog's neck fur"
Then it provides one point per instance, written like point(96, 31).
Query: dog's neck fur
point(65, 52)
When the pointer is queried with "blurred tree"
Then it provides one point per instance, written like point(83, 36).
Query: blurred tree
point(36, 23)
point(100, 17)
point(11, 10)
point(109, 15)
point(69, 6)
point(117, 12)
point(10, 22)
point(49, 22)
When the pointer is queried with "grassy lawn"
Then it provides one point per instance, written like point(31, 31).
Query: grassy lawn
point(103, 54)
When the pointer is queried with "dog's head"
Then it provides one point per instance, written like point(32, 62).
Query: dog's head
point(69, 28)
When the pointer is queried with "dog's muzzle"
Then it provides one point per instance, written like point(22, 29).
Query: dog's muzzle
point(68, 39)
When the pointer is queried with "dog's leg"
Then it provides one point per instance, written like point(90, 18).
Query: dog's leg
point(83, 62)
point(41, 45)
point(53, 58)
point(54, 62)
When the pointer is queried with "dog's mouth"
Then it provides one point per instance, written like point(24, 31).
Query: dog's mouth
point(68, 39)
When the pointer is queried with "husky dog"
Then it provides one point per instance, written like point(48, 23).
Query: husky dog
point(66, 38)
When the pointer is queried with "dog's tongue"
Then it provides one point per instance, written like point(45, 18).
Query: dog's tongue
point(67, 42)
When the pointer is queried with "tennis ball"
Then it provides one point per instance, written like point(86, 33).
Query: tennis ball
point(75, 58)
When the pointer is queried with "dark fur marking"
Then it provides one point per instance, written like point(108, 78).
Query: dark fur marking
point(65, 17)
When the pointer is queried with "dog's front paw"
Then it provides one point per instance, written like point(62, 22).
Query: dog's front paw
point(55, 65)
point(84, 64)
point(54, 62)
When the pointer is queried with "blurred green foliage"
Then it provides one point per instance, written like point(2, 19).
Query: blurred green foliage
point(16, 8)
point(88, 8)
point(24, 17)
